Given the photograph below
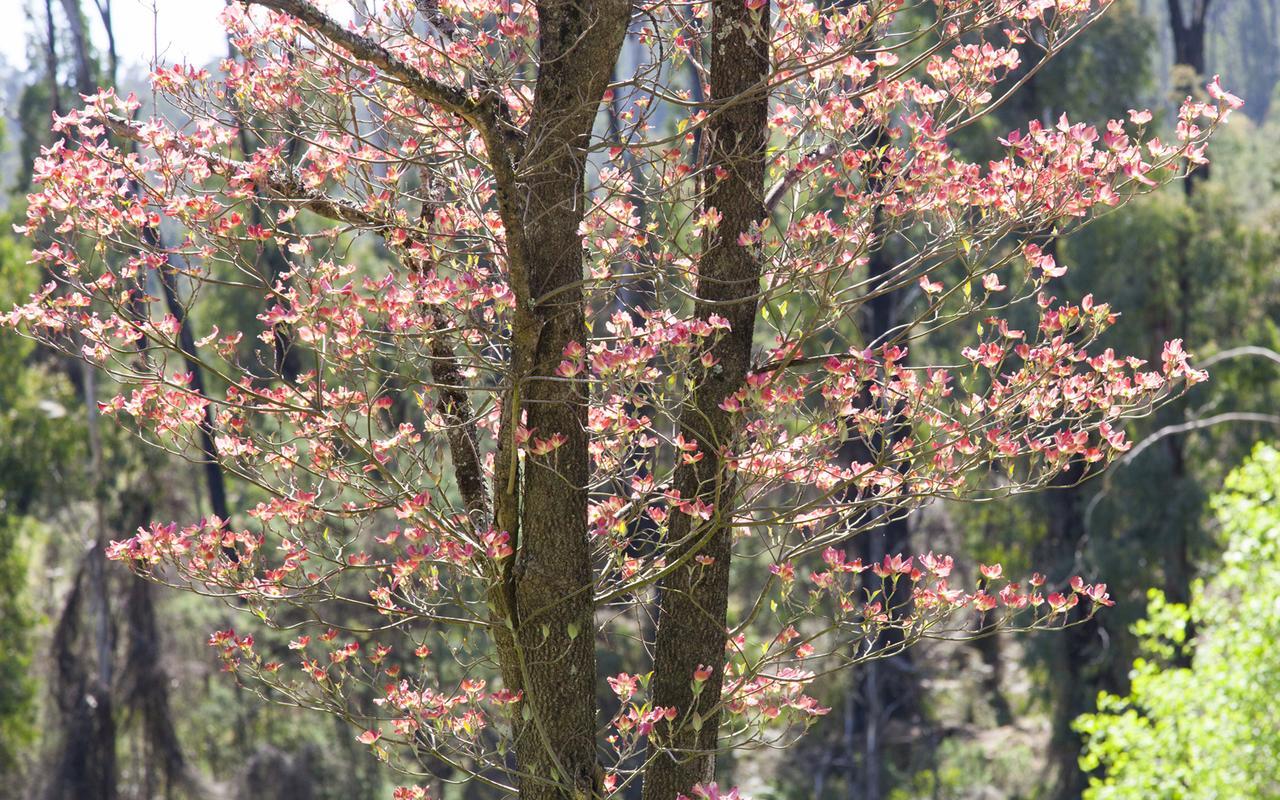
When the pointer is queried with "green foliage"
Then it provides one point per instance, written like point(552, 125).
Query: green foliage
point(16, 686)
point(967, 764)
point(17, 489)
point(1209, 731)
point(35, 427)
point(40, 442)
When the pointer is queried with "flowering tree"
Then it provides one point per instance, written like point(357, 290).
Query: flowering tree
point(557, 311)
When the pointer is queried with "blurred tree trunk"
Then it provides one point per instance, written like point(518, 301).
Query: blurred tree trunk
point(287, 364)
point(83, 765)
point(884, 692)
point(85, 83)
point(81, 685)
point(1072, 655)
point(87, 688)
point(51, 59)
point(1188, 28)
point(1189, 33)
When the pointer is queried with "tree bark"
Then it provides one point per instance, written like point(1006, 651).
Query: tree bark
point(694, 597)
point(545, 602)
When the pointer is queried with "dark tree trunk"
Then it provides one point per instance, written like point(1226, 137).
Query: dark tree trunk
point(884, 690)
point(211, 467)
point(1189, 35)
point(1188, 28)
point(84, 68)
point(147, 692)
point(1073, 653)
point(287, 363)
point(694, 597)
point(84, 766)
point(1183, 509)
point(51, 59)
point(548, 650)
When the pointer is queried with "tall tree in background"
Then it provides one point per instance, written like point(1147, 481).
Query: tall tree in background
point(1117, 48)
point(1187, 26)
point(84, 758)
point(484, 520)
point(105, 641)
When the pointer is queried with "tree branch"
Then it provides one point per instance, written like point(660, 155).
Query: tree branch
point(284, 185)
point(486, 113)
point(792, 176)
point(1195, 425)
point(1238, 352)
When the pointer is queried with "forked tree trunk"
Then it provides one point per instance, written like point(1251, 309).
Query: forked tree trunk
point(548, 651)
point(1188, 26)
point(694, 597)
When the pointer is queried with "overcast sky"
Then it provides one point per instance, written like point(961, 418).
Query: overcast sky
point(177, 30)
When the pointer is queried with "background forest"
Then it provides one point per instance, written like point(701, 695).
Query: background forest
point(1167, 695)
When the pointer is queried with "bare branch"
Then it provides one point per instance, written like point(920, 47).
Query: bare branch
point(1240, 352)
point(793, 175)
point(1195, 425)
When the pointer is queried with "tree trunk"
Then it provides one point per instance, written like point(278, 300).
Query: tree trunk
point(1189, 33)
point(548, 650)
point(1072, 675)
point(883, 690)
point(51, 59)
point(1182, 512)
point(694, 597)
point(84, 69)
point(84, 766)
point(211, 466)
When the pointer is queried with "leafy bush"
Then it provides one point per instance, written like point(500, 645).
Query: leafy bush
point(1209, 730)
